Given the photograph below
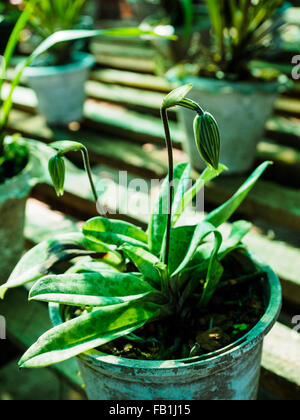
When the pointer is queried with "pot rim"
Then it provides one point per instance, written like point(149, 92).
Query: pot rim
point(215, 360)
point(81, 60)
point(228, 87)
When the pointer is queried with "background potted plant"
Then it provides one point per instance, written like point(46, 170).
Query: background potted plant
point(225, 75)
point(141, 310)
point(182, 18)
point(24, 162)
point(58, 77)
point(143, 8)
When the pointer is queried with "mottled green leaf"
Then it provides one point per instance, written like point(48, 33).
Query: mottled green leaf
point(180, 241)
point(158, 223)
point(201, 232)
point(87, 332)
point(224, 212)
point(90, 289)
point(145, 262)
point(114, 232)
point(207, 175)
point(42, 259)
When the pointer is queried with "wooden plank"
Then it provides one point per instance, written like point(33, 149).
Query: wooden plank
point(266, 201)
point(288, 106)
point(284, 130)
point(34, 385)
point(286, 168)
point(281, 363)
point(132, 79)
point(142, 127)
point(279, 205)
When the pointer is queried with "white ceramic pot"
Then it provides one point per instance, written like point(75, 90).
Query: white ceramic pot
point(241, 110)
point(60, 90)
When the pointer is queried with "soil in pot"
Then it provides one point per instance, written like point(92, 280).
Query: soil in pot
point(235, 309)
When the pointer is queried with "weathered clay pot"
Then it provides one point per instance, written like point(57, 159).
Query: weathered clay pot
point(13, 195)
point(229, 374)
point(60, 90)
point(241, 110)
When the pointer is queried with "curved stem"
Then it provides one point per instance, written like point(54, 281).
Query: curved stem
point(168, 139)
point(87, 166)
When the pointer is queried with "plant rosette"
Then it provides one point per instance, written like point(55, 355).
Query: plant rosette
point(242, 110)
point(231, 373)
point(122, 280)
point(60, 90)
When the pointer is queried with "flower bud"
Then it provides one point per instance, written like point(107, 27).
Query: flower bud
point(207, 138)
point(57, 171)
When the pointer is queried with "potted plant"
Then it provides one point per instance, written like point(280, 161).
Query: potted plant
point(226, 76)
point(182, 18)
point(23, 162)
point(58, 77)
point(177, 312)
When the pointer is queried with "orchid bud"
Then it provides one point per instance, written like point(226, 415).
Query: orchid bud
point(207, 138)
point(57, 171)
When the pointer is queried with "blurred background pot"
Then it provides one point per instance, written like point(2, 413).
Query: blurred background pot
point(142, 9)
point(60, 90)
point(241, 110)
point(231, 373)
point(13, 196)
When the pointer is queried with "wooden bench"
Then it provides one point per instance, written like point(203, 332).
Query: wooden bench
point(123, 131)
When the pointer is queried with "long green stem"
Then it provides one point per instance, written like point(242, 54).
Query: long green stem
point(87, 166)
point(164, 116)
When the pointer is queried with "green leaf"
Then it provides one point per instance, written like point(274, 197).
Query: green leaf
point(200, 261)
point(39, 260)
point(181, 238)
point(87, 332)
point(207, 175)
point(224, 212)
point(158, 223)
point(43, 258)
point(91, 267)
point(67, 146)
point(91, 289)
point(214, 272)
point(239, 230)
point(114, 232)
point(176, 96)
point(146, 263)
point(65, 36)
point(13, 41)
point(201, 232)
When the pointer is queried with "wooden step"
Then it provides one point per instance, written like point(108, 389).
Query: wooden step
point(112, 115)
point(281, 363)
point(266, 200)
